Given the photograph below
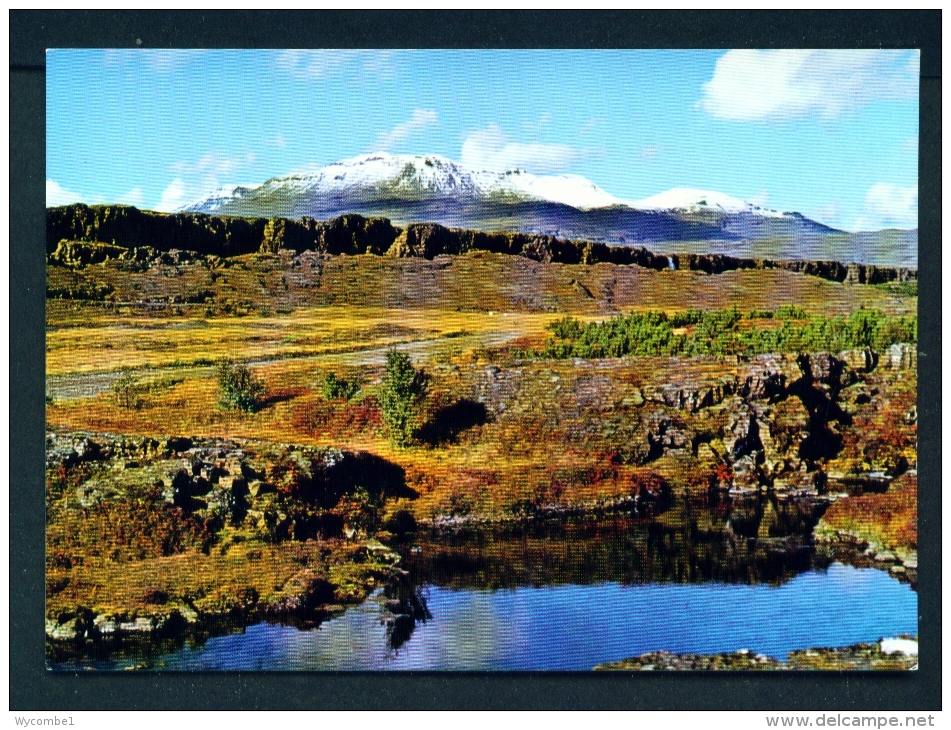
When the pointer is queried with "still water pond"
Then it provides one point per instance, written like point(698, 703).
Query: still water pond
point(575, 627)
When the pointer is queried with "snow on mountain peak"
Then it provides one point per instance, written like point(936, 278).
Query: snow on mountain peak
point(573, 190)
point(437, 175)
point(209, 202)
point(694, 201)
point(383, 175)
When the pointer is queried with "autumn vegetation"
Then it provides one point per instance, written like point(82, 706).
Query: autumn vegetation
point(497, 389)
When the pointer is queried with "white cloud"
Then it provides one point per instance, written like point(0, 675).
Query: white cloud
point(421, 119)
point(888, 206)
point(491, 149)
point(136, 196)
point(174, 196)
point(279, 140)
point(761, 198)
point(910, 145)
point(750, 84)
point(213, 165)
point(650, 153)
point(56, 194)
point(195, 179)
point(313, 65)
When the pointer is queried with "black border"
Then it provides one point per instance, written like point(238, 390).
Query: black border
point(33, 688)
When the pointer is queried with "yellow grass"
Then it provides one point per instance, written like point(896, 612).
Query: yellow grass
point(111, 343)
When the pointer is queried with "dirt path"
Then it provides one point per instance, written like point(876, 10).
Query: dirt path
point(88, 385)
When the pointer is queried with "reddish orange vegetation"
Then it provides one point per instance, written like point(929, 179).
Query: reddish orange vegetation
point(315, 416)
point(890, 519)
point(883, 433)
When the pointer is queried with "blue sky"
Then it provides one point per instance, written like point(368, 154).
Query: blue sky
point(831, 134)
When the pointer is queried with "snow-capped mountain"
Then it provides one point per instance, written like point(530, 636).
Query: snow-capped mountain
point(691, 200)
point(218, 198)
point(430, 188)
point(383, 176)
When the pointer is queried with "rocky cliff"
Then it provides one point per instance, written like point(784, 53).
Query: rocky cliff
point(129, 228)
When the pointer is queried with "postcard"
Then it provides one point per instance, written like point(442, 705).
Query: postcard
point(495, 360)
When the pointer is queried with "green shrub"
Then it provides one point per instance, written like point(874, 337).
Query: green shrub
point(402, 390)
point(791, 311)
point(718, 332)
point(238, 389)
point(334, 388)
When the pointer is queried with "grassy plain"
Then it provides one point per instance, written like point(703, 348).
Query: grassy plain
point(498, 436)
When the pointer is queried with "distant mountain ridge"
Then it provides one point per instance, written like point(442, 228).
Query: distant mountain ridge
point(429, 188)
point(383, 177)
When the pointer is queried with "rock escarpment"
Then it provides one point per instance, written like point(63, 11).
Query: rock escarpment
point(107, 229)
point(773, 423)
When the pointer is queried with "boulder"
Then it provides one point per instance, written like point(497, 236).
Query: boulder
point(89, 495)
point(228, 504)
point(636, 399)
point(662, 433)
point(900, 356)
point(69, 631)
point(772, 454)
point(88, 450)
point(910, 559)
point(768, 376)
point(77, 254)
point(705, 453)
point(691, 397)
point(257, 487)
point(787, 424)
point(70, 625)
point(426, 240)
point(861, 360)
point(141, 625)
point(105, 626)
point(184, 487)
point(859, 394)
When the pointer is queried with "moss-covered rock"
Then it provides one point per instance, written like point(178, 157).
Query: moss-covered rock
point(76, 254)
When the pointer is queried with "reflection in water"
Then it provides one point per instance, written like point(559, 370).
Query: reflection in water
point(700, 578)
point(753, 540)
point(575, 627)
point(405, 604)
